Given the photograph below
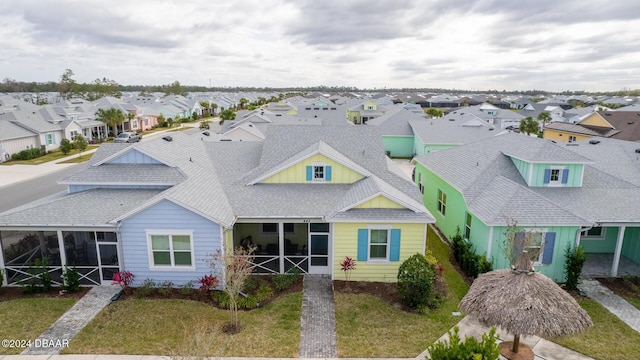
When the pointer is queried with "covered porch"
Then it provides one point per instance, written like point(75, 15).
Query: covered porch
point(282, 247)
point(27, 252)
point(612, 250)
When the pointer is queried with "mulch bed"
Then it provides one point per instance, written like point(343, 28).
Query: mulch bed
point(12, 293)
point(622, 287)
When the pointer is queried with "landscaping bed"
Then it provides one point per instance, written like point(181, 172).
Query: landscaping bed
point(12, 293)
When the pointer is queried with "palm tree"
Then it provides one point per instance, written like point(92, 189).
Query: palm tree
point(214, 106)
point(243, 103)
point(529, 125)
point(227, 115)
point(545, 117)
point(112, 117)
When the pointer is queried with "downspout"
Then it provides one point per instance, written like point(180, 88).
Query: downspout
point(578, 232)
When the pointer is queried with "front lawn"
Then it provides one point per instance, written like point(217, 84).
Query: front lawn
point(27, 318)
point(609, 339)
point(184, 327)
point(369, 327)
point(52, 156)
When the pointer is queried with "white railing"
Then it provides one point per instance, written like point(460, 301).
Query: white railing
point(16, 270)
point(270, 264)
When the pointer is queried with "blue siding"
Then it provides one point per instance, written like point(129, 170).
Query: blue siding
point(134, 157)
point(167, 216)
point(78, 188)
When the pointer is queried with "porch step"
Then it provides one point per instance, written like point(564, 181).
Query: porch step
point(318, 321)
point(71, 322)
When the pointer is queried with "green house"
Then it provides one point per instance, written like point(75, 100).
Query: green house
point(585, 193)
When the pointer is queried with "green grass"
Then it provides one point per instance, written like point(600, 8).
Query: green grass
point(633, 301)
point(183, 327)
point(83, 158)
point(27, 318)
point(369, 327)
point(608, 339)
point(55, 155)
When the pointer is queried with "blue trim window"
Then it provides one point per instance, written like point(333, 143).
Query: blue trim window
point(318, 172)
point(539, 245)
point(379, 243)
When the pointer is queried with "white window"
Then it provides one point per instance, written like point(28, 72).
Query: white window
point(534, 241)
point(442, 202)
point(572, 138)
point(595, 233)
point(555, 176)
point(318, 172)
point(379, 244)
point(467, 226)
point(171, 250)
point(50, 139)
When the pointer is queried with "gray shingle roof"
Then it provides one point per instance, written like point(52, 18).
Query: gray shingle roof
point(495, 191)
point(9, 130)
point(127, 174)
point(89, 208)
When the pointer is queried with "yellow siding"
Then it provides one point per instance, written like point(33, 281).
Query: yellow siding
point(346, 244)
point(297, 173)
point(370, 104)
point(292, 112)
point(562, 135)
point(595, 120)
point(380, 202)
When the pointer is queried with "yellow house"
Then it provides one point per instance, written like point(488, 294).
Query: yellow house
point(595, 124)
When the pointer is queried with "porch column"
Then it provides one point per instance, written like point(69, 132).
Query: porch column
point(281, 245)
point(63, 252)
point(616, 255)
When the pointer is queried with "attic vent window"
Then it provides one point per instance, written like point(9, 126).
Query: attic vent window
point(167, 138)
point(637, 151)
point(594, 142)
point(630, 122)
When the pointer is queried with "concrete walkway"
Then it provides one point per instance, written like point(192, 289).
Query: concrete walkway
point(614, 303)
point(58, 335)
point(318, 320)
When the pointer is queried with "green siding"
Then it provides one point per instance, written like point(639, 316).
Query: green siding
point(398, 146)
point(564, 235)
point(606, 245)
point(479, 235)
point(575, 174)
point(523, 167)
point(631, 244)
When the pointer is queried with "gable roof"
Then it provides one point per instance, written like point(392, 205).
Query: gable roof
point(492, 186)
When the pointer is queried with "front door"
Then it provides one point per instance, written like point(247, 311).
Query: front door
point(319, 248)
point(108, 261)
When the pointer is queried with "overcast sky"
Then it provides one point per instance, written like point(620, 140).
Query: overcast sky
point(550, 45)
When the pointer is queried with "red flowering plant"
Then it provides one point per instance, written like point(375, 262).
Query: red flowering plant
point(208, 283)
point(347, 265)
point(123, 279)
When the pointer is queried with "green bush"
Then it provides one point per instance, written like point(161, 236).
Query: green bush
point(71, 280)
point(147, 288)
point(470, 263)
point(27, 154)
point(284, 281)
point(65, 146)
point(416, 282)
point(247, 302)
point(187, 288)
point(165, 288)
point(265, 292)
point(470, 349)
point(574, 261)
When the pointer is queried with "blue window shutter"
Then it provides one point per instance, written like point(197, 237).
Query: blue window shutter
point(363, 244)
point(547, 175)
point(327, 173)
point(309, 173)
point(518, 245)
point(565, 176)
point(394, 251)
point(549, 243)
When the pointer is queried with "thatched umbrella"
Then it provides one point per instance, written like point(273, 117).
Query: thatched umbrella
point(524, 302)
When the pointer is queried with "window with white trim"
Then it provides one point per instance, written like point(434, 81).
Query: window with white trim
point(596, 232)
point(442, 202)
point(534, 246)
point(572, 138)
point(171, 250)
point(378, 244)
point(318, 172)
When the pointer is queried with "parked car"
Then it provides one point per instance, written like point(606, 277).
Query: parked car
point(127, 137)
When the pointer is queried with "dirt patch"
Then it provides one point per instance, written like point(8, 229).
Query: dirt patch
point(624, 287)
point(12, 293)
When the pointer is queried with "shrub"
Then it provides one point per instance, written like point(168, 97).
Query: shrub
point(283, 281)
point(247, 302)
point(123, 278)
point(71, 280)
point(27, 154)
point(265, 292)
point(165, 288)
point(415, 281)
point(43, 273)
point(146, 289)
point(470, 349)
point(574, 261)
point(187, 288)
point(65, 146)
point(208, 282)
point(470, 263)
point(251, 283)
point(348, 265)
